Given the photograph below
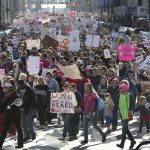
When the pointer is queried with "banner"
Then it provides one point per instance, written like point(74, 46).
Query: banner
point(92, 40)
point(71, 71)
point(147, 42)
point(74, 41)
point(139, 59)
point(127, 52)
point(49, 42)
point(62, 102)
point(33, 65)
point(145, 65)
point(52, 33)
point(33, 43)
point(45, 70)
point(15, 55)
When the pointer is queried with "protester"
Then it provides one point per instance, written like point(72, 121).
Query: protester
point(67, 117)
point(42, 100)
point(108, 111)
point(12, 114)
point(144, 108)
point(28, 96)
point(126, 103)
point(90, 109)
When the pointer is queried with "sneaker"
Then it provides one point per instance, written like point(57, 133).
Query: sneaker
point(19, 146)
point(104, 138)
point(120, 145)
point(62, 138)
point(26, 139)
point(72, 138)
point(132, 144)
point(84, 142)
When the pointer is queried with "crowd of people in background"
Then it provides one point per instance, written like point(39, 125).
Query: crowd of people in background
point(117, 83)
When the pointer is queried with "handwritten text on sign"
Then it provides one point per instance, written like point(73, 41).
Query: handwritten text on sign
point(127, 52)
point(62, 103)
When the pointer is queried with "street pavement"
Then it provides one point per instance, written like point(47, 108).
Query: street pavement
point(48, 139)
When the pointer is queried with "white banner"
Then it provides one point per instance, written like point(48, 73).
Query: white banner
point(52, 33)
point(145, 65)
point(33, 43)
point(33, 65)
point(92, 40)
point(71, 71)
point(62, 102)
point(74, 41)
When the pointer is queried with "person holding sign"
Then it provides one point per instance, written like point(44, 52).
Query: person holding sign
point(67, 117)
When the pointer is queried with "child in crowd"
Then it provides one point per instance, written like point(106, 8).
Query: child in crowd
point(108, 111)
point(144, 108)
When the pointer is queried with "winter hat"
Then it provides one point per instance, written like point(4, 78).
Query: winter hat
point(124, 87)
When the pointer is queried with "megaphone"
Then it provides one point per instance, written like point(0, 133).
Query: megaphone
point(18, 102)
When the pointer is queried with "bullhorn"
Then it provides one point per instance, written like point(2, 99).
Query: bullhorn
point(18, 102)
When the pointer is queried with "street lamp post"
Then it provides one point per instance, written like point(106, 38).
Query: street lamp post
point(0, 15)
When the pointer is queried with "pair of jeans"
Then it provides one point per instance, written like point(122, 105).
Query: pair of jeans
point(27, 123)
point(126, 131)
point(141, 124)
point(115, 118)
point(94, 122)
point(67, 118)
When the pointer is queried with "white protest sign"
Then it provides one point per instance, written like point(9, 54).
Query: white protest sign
point(62, 102)
point(10, 48)
point(2, 75)
point(33, 43)
point(96, 41)
point(71, 71)
point(45, 70)
point(107, 54)
point(139, 59)
point(145, 65)
point(74, 41)
point(15, 55)
point(52, 33)
point(33, 65)
point(92, 40)
point(147, 42)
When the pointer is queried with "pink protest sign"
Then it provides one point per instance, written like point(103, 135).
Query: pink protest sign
point(68, 29)
point(72, 13)
point(127, 52)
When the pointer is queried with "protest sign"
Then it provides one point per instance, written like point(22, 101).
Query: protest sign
point(27, 28)
point(33, 65)
point(92, 40)
point(33, 43)
point(64, 44)
point(71, 71)
point(145, 65)
point(2, 75)
point(52, 33)
point(74, 41)
point(15, 55)
point(107, 54)
point(49, 42)
point(45, 70)
point(139, 59)
point(126, 52)
point(147, 42)
point(62, 102)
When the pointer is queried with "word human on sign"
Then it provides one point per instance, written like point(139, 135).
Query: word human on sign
point(62, 102)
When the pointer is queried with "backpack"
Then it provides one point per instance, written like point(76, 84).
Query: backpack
point(100, 104)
